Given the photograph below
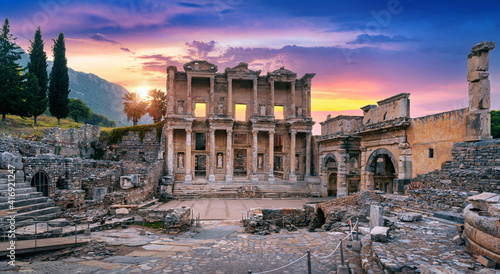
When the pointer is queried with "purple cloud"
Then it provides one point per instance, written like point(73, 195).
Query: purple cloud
point(364, 39)
point(100, 38)
point(127, 50)
point(200, 48)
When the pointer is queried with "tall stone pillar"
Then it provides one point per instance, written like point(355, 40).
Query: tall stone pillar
point(254, 176)
point(229, 97)
point(478, 120)
point(292, 177)
point(342, 173)
point(270, 175)
point(211, 175)
point(255, 104)
point(271, 83)
point(187, 162)
point(212, 96)
point(170, 151)
point(292, 98)
point(170, 88)
point(229, 156)
point(308, 154)
point(189, 106)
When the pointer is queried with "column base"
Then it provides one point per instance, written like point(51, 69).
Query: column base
point(254, 178)
point(292, 178)
point(211, 178)
point(271, 179)
point(229, 178)
point(188, 178)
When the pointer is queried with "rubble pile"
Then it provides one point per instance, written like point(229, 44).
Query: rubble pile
point(265, 221)
point(175, 220)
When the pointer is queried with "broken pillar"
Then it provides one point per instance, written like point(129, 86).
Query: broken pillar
point(376, 216)
point(478, 118)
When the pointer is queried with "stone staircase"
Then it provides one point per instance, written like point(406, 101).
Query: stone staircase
point(28, 205)
point(239, 190)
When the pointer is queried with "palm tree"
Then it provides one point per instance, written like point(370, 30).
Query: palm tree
point(134, 107)
point(157, 104)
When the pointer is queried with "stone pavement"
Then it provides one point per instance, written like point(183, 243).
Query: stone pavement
point(231, 209)
point(218, 248)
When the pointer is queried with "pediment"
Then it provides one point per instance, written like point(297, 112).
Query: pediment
point(202, 66)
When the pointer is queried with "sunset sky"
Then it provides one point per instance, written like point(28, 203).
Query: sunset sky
point(362, 51)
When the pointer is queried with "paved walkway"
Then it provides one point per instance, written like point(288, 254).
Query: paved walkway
point(28, 246)
point(231, 209)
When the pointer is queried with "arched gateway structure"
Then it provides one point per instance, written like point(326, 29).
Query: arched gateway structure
point(385, 148)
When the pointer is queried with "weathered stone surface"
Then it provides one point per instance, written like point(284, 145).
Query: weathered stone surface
point(479, 94)
point(458, 240)
point(487, 262)
point(483, 200)
point(433, 269)
point(99, 193)
point(484, 46)
point(379, 234)
point(376, 216)
point(485, 224)
point(455, 217)
point(122, 211)
point(8, 159)
point(494, 210)
point(409, 217)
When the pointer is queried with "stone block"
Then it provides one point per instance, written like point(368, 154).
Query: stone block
point(484, 46)
point(486, 262)
point(477, 125)
point(379, 234)
point(8, 159)
point(494, 210)
point(482, 201)
point(409, 217)
point(356, 246)
point(376, 216)
point(19, 176)
point(99, 193)
point(474, 76)
point(343, 269)
point(479, 94)
point(126, 182)
point(121, 211)
point(451, 216)
point(458, 240)
point(433, 269)
point(478, 61)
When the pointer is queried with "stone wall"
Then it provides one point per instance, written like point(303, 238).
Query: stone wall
point(474, 166)
point(265, 221)
point(437, 132)
point(132, 147)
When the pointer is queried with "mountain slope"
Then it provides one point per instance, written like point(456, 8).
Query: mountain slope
point(100, 95)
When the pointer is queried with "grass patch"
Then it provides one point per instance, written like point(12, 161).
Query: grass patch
point(117, 134)
point(17, 126)
point(155, 225)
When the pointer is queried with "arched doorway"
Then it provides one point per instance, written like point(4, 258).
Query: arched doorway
point(41, 182)
point(382, 168)
point(332, 184)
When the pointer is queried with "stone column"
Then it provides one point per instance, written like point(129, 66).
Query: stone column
point(187, 162)
point(292, 98)
point(229, 97)
point(211, 175)
point(170, 89)
point(254, 176)
point(212, 96)
point(292, 177)
point(229, 156)
point(170, 151)
point(255, 105)
point(308, 154)
point(307, 94)
point(342, 173)
point(271, 157)
point(271, 83)
point(189, 106)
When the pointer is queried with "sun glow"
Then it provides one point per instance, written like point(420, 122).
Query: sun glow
point(142, 92)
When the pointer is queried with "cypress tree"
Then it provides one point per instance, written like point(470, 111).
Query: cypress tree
point(10, 72)
point(38, 67)
point(59, 81)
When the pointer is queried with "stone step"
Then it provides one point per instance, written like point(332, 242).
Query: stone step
point(21, 203)
point(24, 196)
point(38, 215)
point(29, 221)
point(451, 216)
point(30, 207)
point(17, 185)
point(23, 190)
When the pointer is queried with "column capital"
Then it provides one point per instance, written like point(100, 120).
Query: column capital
point(189, 130)
point(170, 130)
point(271, 132)
point(229, 79)
point(255, 131)
point(271, 81)
point(229, 130)
point(211, 130)
point(294, 132)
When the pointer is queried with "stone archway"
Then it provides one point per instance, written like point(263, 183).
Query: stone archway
point(40, 181)
point(381, 168)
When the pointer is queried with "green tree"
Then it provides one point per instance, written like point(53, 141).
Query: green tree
point(24, 106)
point(495, 123)
point(134, 107)
point(78, 109)
point(100, 120)
point(59, 81)
point(157, 104)
point(38, 67)
point(10, 72)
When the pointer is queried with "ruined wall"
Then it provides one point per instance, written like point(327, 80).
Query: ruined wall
point(341, 124)
point(133, 148)
point(392, 108)
point(474, 166)
point(437, 132)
